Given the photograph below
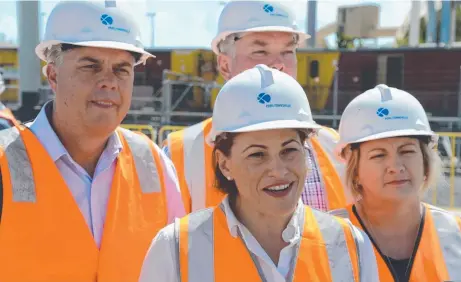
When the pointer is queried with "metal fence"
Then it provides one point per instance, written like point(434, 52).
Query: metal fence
point(446, 193)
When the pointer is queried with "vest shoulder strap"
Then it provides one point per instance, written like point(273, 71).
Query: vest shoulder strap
point(337, 233)
point(144, 161)
point(19, 167)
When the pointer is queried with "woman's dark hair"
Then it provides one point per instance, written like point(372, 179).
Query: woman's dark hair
point(224, 144)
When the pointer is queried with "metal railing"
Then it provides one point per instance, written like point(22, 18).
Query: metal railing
point(447, 191)
point(165, 130)
point(147, 129)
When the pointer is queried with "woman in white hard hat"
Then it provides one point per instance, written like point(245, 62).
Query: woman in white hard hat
point(388, 145)
point(261, 230)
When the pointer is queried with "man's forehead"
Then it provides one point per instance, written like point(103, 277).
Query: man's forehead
point(100, 54)
point(266, 38)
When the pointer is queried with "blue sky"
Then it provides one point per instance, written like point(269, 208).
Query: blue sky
point(194, 22)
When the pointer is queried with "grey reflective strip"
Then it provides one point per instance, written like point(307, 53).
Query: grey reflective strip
point(357, 245)
point(335, 242)
point(194, 164)
point(450, 240)
point(22, 179)
point(200, 244)
point(144, 161)
point(176, 237)
point(294, 259)
point(340, 213)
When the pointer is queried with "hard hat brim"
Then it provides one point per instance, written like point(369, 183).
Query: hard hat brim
point(267, 125)
point(40, 49)
point(388, 134)
point(302, 35)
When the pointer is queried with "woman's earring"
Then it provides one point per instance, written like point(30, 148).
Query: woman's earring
point(229, 178)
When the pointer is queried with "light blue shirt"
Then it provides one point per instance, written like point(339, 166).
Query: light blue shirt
point(90, 193)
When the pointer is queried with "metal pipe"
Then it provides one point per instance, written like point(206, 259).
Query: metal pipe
point(431, 28)
point(311, 22)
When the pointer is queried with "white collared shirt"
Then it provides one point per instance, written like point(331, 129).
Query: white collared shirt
point(160, 264)
point(91, 194)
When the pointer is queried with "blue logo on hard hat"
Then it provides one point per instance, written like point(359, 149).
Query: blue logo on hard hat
point(268, 8)
point(106, 19)
point(109, 21)
point(382, 112)
point(265, 99)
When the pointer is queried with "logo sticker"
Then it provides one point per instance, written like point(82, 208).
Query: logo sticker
point(269, 9)
point(384, 113)
point(109, 21)
point(265, 99)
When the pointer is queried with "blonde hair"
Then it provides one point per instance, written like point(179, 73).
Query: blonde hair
point(431, 161)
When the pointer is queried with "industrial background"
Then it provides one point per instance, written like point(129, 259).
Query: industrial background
point(179, 87)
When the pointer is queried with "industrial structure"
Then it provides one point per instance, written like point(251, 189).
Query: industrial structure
point(179, 87)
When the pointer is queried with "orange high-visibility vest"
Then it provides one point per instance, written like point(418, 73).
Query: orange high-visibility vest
point(43, 235)
point(191, 156)
point(438, 257)
point(327, 250)
point(8, 115)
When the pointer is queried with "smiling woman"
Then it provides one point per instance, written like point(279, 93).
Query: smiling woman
point(262, 227)
point(244, 158)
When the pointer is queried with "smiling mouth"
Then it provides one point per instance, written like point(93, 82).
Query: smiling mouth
point(279, 190)
point(103, 104)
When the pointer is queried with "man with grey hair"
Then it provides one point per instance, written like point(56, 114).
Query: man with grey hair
point(83, 197)
point(252, 33)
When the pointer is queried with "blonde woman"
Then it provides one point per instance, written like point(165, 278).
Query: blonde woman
point(387, 142)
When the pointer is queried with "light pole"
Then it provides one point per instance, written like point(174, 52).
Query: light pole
point(151, 16)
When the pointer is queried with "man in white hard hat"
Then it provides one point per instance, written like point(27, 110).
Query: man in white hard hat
point(251, 33)
point(7, 118)
point(83, 198)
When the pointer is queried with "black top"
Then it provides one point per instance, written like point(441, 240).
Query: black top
point(396, 267)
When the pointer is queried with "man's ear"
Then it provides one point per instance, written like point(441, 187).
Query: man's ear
point(224, 66)
point(51, 74)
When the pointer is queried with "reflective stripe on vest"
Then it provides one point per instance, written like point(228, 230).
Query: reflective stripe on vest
point(21, 170)
point(191, 154)
point(439, 252)
point(22, 179)
point(42, 222)
point(146, 167)
point(208, 252)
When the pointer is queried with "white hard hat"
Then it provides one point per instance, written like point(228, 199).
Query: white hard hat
point(260, 98)
point(256, 16)
point(383, 112)
point(2, 83)
point(84, 23)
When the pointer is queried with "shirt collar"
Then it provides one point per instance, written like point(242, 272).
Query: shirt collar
point(42, 129)
point(290, 234)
